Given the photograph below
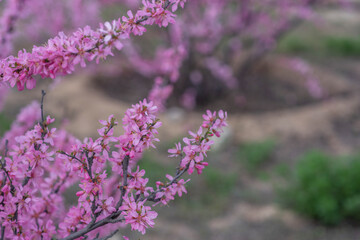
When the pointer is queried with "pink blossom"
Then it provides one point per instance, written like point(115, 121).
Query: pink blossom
point(175, 152)
point(138, 215)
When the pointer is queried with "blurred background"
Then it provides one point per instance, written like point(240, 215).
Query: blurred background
point(288, 165)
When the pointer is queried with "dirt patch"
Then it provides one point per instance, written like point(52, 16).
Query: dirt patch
point(269, 86)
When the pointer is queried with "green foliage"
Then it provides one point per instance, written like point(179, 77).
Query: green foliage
point(346, 46)
point(343, 46)
point(5, 124)
point(256, 153)
point(325, 188)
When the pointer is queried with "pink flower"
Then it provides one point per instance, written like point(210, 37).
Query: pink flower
point(138, 215)
point(197, 136)
point(175, 152)
point(163, 17)
point(179, 186)
point(106, 206)
point(176, 3)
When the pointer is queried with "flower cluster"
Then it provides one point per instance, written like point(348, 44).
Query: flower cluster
point(196, 147)
point(61, 54)
point(137, 215)
point(192, 156)
point(32, 180)
point(39, 164)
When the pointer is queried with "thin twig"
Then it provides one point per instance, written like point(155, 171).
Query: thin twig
point(90, 228)
point(43, 93)
point(6, 148)
point(109, 236)
point(2, 232)
point(3, 165)
point(62, 183)
point(124, 185)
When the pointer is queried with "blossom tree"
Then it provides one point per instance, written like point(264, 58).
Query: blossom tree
point(215, 44)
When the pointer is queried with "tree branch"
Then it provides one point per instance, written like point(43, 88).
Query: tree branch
point(109, 236)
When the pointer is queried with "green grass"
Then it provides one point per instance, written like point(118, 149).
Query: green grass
point(255, 154)
point(5, 124)
point(219, 183)
point(344, 46)
point(282, 170)
point(210, 193)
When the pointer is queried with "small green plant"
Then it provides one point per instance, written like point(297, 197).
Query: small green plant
point(256, 153)
point(325, 188)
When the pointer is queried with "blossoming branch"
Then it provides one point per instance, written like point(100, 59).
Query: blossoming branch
point(43, 162)
point(61, 54)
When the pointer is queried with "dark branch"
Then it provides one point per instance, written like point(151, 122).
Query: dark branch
point(109, 236)
point(43, 93)
point(2, 232)
point(124, 185)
